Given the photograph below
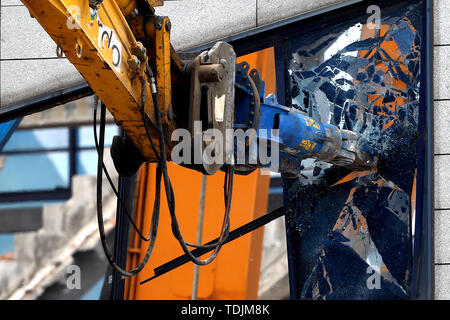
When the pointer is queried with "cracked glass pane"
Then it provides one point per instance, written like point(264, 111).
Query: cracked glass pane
point(351, 231)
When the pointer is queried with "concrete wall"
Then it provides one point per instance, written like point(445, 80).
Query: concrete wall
point(41, 257)
point(27, 53)
point(442, 147)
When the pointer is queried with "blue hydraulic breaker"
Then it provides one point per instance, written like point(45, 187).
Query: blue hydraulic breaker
point(295, 135)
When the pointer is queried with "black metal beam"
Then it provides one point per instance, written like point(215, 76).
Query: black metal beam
point(20, 219)
point(45, 102)
point(127, 190)
point(38, 195)
point(423, 277)
point(239, 232)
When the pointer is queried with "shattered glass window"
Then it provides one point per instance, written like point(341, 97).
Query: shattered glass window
point(350, 233)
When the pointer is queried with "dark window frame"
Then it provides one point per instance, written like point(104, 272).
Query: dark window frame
point(49, 194)
point(273, 35)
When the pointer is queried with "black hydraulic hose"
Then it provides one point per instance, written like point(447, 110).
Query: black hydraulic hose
point(169, 189)
point(144, 117)
point(111, 183)
point(101, 228)
point(162, 172)
point(227, 185)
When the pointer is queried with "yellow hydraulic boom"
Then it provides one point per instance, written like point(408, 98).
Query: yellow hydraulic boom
point(97, 39)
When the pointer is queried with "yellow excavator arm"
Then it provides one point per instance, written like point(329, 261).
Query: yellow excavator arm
point(97, 39)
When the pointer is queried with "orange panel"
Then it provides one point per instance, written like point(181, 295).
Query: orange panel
point(264, 61)
point(235, 272)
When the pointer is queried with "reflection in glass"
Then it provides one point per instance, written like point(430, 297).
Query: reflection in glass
point(28, 172)
point(38, 139)
point(350, 228)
